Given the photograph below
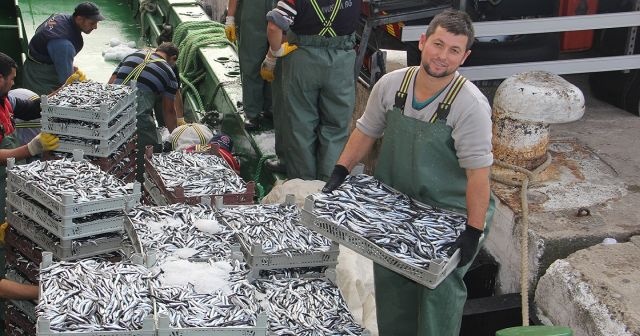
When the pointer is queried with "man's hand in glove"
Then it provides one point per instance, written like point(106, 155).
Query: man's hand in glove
point(284, 50)
point(467, 242)
point(338, 175)
point(76, 76)
point(42, 142)
point(230, 28)
point(267, 67)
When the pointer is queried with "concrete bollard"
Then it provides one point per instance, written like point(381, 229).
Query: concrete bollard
point(524, 106)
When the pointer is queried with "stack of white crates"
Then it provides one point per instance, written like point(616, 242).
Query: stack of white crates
point(98, 119)
point(71, 224)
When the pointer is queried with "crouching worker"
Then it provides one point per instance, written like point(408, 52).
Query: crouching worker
point(24, 109)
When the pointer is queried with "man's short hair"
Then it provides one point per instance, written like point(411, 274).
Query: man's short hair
point(455, 22)
point(6, 64)
point(168, 48)
point(88, 10)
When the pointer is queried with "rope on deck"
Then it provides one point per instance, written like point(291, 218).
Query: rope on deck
point(189, 36)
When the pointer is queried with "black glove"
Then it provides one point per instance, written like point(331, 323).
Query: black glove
point(338, 175)
point(468, 243)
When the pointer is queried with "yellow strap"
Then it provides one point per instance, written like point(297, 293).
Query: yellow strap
point(135, 73)
point(203, 140)
point(327, 22)
point(404, 87)
point(454, 90)
point(449, 98)
point(174, 140)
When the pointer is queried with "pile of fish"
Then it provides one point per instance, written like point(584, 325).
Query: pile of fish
point(76, 244)
point(199, 174)
point(186, 308)
point(414, 232)
point(87, 124)
point(89, 95)
point(275, 227)
point(79, 220)
point(306, 307)
point(80, 179)
point(179, 231)
point(96, 142)
point(90, 295)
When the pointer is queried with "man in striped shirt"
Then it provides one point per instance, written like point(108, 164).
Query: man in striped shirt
point(317, 81)
point(155, 80)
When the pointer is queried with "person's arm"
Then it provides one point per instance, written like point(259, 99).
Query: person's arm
point(231, 7)
point(477, 196)
point(169, 112)
point(62, 53)
point(19, 153)
point(178, 105)
point(357, 147)
point(27, 109)
point(112, 79)
point(274, 35)
point(12, 290)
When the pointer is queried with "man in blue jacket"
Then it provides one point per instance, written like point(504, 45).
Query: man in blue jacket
point(55, 44)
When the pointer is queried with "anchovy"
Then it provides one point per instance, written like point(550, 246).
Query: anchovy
point(186, 308)
point(91, 295)
point(89, 95)
point(274, 227)
point(80, 179)
point(181, 232)
point(304, 307)
point(198, 174)
point(414, 232)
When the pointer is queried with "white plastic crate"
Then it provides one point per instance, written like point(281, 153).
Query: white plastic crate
point(102, 114)
point(64, 228)
point(66, 207)
point(164, 329)
point(104, 148)
point(61, 249)
point(102, 131)
point(258, 260)
point(43, 325)
point(430, 276)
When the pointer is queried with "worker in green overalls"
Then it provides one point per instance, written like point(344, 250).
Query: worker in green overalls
point(317, 83)
point(252, 46)
point(26, 109)
point(437, 150)
point(155, 79)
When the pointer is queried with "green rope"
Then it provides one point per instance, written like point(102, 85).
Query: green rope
point(258, 174)
point(189, 37)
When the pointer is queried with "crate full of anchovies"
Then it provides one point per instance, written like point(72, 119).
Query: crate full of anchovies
point(271, 237)
point(387, 227)
point(94, 297)
point(89, 101)
point(183, 177)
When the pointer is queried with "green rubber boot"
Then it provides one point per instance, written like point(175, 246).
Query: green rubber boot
point(535, 331)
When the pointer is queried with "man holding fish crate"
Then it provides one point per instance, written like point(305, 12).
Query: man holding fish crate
point(437, 150)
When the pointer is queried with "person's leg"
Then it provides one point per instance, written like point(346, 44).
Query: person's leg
point(336, 103)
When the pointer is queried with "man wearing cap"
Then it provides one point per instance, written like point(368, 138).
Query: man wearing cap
point(55, 44)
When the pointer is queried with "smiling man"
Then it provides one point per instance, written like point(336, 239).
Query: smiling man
point(436, 149)
point(55, 44)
